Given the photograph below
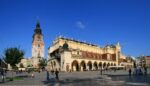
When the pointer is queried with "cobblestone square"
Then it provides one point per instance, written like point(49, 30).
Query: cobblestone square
point(88, 78)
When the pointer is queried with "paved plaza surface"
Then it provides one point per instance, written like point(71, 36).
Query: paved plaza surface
point(88, 78)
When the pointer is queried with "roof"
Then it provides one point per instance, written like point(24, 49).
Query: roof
point(111, 46)
point(69, 39)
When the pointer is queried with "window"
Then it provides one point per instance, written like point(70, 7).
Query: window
point(38, 45)
point(77, 52)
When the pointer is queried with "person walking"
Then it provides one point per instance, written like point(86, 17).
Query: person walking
point(32, 75)
point(130, 72)
point(145, 70)
point(47, 75)
point(56, 73)
point(101, 71)
point(2, 74)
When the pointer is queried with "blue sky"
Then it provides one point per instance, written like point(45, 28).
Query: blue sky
point(96, 21)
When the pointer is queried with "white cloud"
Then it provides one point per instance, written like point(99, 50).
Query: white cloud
point(80, 24)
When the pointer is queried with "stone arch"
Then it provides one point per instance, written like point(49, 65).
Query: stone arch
point(100, 64)
point(54, 63)
point(83, 66)
point(108, 64)
point(104, 65)
point(89, 65)
point(67, 68)
point(51, 63)
point(111, 64)
point(52, 66)
point(95, 65)
point(75, 65)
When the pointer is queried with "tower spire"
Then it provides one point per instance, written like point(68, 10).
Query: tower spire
point(38, 28)
point(38, 24)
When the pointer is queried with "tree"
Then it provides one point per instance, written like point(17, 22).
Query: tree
point(42, 63)
point(13, 56)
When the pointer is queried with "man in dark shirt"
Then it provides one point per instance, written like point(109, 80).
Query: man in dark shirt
point(130, 72)
point(56, 73)
point(2, 74)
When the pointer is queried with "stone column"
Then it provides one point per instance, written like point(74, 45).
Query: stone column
point(98, 67)
point(74, 68)
point(93, 66)
point(87, 67)
point(81, 68)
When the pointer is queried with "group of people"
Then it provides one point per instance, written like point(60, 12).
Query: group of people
point(138, 71)
point(52, 72)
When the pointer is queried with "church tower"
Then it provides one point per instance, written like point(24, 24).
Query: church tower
point(37, 45)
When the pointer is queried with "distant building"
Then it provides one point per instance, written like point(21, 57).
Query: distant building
point(138, 61)
point(71, 55)
point(145, 61)
point(37, 46)
point(3, 64)
point(37, 49)
point(25, 62)
point(126, 61)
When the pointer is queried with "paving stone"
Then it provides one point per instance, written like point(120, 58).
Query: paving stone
point(89, 78)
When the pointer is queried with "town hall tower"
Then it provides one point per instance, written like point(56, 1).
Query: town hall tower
point(37, 45)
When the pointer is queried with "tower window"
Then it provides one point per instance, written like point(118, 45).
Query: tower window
point(38, 45)
point(77, 52)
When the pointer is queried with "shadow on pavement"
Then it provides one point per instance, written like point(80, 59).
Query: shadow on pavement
point(68, 82)
point(132, 79)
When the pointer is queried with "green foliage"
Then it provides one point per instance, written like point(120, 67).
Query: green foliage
point(10, 78)
point(14, 78)
point(13, 56)
point(29, 65)
point(42, 63)
point(18, 78)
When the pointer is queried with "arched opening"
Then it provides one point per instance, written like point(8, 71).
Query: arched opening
point(52, 67)
point(75, 66)
point(111, 64)
point(104, 65)
point(83, 66)
point(54, 63)
point(100, 65)
point(89, 65)
point(114, 64)
point(67, 68)
point(95, 66)
point(108, 64)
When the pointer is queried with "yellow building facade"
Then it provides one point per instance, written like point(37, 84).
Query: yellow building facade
point(71, 55)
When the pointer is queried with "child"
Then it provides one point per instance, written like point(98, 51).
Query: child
point(32, 75)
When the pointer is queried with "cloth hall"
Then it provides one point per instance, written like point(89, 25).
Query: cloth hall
point(67, 54)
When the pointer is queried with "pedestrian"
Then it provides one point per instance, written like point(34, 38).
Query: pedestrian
point(32, 75)
point(2, 74)
point(145, 70)
point(136, 71)
point(56, 73)
point(101, 71)
point(114, 69)
point(130, 72)
point(140, 72)
point(47, 75)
